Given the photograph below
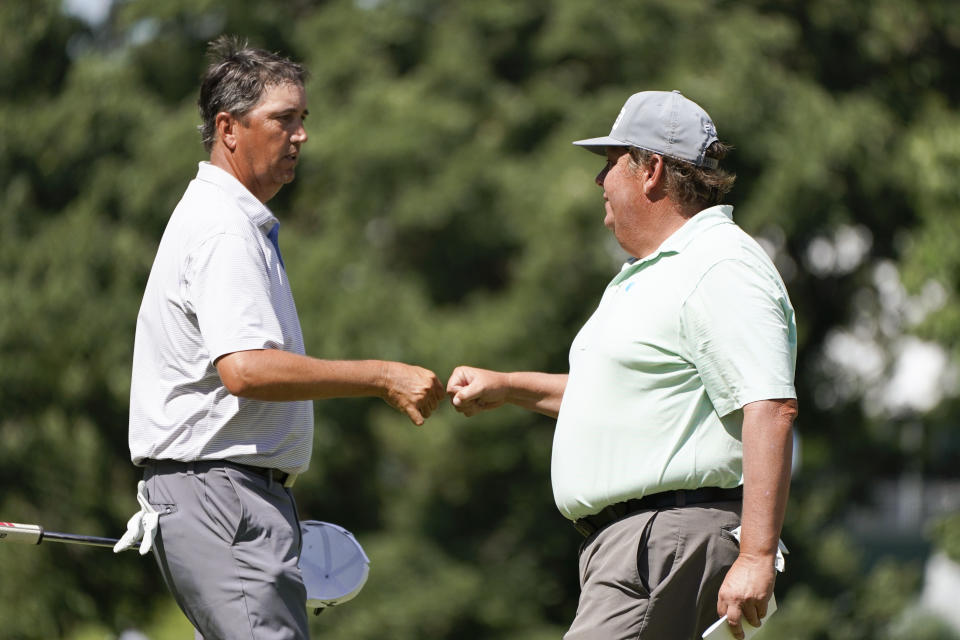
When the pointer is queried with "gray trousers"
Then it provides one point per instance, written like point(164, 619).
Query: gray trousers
point(655, 575)
point(227, 545)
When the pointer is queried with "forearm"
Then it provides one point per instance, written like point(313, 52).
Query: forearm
point(535, 391)
point(767, 455)
point(280, 376)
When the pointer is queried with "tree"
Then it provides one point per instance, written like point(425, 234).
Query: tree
point(441, 216)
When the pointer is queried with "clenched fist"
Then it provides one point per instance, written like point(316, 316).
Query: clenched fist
point(414, 390)
point(473, 390)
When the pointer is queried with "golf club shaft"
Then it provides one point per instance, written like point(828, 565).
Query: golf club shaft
point(72, 538)
point(34, 534)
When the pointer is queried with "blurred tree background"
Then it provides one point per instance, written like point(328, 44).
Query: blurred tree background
point(442, 217)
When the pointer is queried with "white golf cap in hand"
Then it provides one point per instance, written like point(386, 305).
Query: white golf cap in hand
point(141, 526)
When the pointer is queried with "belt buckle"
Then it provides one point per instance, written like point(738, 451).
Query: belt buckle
point(275, 475)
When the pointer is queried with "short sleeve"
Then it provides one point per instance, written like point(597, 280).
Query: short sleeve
point(228, 286)
point(737, 327)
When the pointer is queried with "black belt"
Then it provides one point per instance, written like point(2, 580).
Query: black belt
point(270, 474)
point(587, 525)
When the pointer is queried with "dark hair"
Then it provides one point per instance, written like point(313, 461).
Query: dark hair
point(686, 183)
point(236, 79)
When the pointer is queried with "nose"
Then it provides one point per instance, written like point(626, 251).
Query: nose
point(300, 135)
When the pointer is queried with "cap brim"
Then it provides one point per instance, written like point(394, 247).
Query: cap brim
point(599, 145)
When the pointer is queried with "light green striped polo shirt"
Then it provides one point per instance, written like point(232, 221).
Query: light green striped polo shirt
point(680, 342)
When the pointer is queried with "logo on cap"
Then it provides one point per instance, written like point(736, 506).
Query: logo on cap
point(619, 118)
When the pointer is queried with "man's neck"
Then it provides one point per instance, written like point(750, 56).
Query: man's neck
point(662, 221)
point(222, 158)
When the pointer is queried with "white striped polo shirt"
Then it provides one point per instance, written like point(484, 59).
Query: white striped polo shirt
point(216, 286)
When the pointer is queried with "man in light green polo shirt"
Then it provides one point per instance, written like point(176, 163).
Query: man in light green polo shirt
point(674, 425)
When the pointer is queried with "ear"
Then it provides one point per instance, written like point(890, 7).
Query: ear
point(226, 125)
point(652, 176)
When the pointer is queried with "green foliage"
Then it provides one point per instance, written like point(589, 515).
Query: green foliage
point(945, 532)
point(917, 624)
point(869, 608)
point(441, 216)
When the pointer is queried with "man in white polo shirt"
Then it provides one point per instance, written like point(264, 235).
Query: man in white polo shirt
point(674, 422)
point(220, 401)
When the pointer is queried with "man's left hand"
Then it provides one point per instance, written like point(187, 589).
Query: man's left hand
point(142, 526)
point(746, 591)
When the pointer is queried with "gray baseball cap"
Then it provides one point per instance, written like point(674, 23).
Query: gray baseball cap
point(663, 122)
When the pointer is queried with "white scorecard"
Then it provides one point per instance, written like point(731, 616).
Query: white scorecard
point(333, 564)
point(720, 630)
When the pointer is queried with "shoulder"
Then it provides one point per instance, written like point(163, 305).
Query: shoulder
point(728, 242)
point(727, 261)
point(205, 212)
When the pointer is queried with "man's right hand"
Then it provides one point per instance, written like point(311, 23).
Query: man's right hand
point(411, 389)
point(473, 390)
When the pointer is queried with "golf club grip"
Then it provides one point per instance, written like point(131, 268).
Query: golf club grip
point(22, 533)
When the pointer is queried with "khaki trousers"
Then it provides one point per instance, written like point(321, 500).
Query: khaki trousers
point(655, 575)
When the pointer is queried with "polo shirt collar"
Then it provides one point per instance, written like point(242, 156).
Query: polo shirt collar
point(256, 211)
point(706, 219)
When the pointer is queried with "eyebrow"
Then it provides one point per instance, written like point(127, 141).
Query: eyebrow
point(284, 112)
